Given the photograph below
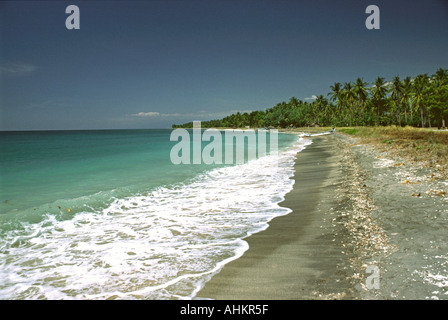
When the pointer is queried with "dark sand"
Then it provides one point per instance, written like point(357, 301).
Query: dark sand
point(411, 208)
point(353, 207)
point(297, 257)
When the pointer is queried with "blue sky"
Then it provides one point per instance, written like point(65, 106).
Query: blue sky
point(149, 64)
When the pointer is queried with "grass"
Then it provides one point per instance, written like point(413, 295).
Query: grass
point(352, 131)
point(307, 129)
point(415, 144)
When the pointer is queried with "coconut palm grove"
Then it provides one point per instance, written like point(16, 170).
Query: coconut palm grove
point(421, 101)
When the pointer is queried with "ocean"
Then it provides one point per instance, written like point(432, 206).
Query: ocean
point(107, 215)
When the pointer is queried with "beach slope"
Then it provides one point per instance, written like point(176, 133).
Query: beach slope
point(299, 256)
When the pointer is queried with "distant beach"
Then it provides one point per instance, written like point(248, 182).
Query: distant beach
point(355, 209)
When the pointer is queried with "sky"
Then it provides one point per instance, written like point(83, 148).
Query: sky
point(152, 63)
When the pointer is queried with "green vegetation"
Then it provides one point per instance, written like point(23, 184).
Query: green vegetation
point(421, 101)
point(351, 131)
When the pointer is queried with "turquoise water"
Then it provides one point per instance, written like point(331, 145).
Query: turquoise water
point(106, 214)
point(73, 169)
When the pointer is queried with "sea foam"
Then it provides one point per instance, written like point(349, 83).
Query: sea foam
point(161, 245)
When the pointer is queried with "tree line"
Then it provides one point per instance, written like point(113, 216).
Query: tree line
point(421, 101)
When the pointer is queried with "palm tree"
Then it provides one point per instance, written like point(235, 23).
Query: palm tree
point(379, 93)
point(294, 102)
point(349, 98)
point(439, 95)
point(406, 91)
point(397, 91)
point(336, 95)
point(321, 106)
point(420, 83)
point(441, 76)
point(361, 92)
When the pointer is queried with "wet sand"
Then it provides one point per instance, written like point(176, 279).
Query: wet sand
point(297, 257)
point(353, 207)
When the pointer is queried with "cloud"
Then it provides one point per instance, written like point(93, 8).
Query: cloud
point(200, 115)
point(154, 114)
point(313, 97)
point(146, 114)
point(16, 69)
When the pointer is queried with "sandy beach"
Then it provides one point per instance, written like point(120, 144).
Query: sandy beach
point(354, 209)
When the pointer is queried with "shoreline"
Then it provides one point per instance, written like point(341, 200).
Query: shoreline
point(295, 257)
point(353, 206)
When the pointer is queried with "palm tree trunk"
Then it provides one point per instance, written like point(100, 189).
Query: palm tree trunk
point(363, 113)
point(378, 117)
point(422, 115)
point(405, 116)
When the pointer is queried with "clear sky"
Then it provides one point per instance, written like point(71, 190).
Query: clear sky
point(149, 64)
